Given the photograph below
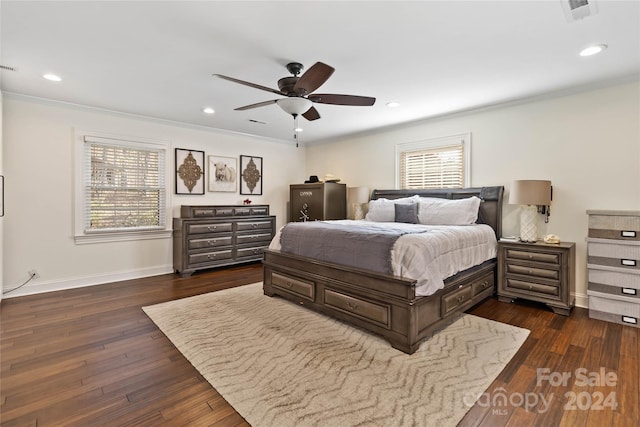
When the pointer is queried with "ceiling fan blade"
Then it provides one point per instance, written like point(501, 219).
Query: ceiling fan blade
point(253, 85)
point(256, 105)
point(331, 98)
point(313, 78)
point(311, 114)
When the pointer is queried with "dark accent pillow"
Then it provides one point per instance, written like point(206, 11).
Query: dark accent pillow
point(407, 213)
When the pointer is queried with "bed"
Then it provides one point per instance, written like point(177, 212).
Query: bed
point(383, 303)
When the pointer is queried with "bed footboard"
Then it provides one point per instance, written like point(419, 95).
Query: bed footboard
point(381, 304)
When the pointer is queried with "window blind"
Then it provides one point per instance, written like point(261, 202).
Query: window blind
point(441, 167)
point(124, 186)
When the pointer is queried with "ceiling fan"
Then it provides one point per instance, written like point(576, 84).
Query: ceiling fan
point(299, 91)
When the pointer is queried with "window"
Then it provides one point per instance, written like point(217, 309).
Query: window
point(434, 163)
point(121, 190)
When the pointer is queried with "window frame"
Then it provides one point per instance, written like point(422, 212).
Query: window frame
point(434, 144)
point(83, 236)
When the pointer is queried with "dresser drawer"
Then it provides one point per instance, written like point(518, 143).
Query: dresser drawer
point(358, 307)
point(209, 257)
point(253, 225)
point(621, 254)
point(455, 299)
point(254, 252)
point(551, 258)
point(531, 288)
point(303, 288)
point(253, 238)
point(533, 271)
point(210, 242)
point(214, 227)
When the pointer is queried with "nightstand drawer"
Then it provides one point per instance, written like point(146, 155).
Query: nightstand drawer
point(531, 287)
point(551, 258)
point(483, 284)
point(253, 225)
point(533, 271)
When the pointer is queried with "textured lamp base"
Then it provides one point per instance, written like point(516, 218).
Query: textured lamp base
point(528, 223)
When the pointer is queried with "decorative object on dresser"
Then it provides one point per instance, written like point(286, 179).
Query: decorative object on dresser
point(189, 171)
point(613, 264)
point(251, 172)
point(385, 304)
point(214, 236)
point(223, 173)
point(539, 272)
point(317, 201)
point(533, 196)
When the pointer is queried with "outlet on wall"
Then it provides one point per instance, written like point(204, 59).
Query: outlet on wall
point(33, 274)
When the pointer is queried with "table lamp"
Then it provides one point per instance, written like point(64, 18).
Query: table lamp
point(534, 196)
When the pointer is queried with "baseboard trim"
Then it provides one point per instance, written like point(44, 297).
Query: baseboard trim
point(582, 300)
point(80, 282)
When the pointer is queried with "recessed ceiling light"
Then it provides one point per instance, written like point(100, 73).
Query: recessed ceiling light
point(392, 104)
point(208, 110)
point(52, 77)
point(593, 50)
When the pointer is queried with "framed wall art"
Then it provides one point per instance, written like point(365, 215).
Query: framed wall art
point(251, 175)
point(223, 173)
point(189, 171)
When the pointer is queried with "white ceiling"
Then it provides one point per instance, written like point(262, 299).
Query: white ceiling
point(156, 58)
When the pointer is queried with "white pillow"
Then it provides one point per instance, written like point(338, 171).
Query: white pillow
point(435, 211)
point(383, 210)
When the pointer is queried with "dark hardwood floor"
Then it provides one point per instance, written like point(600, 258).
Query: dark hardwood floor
point(90, 356)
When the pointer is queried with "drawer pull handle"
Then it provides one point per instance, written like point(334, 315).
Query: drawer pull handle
point(255, 251)
point(530, 287)
point(254, 225)
point(485, 285)
point(289, 285)
point(628, 262)
point(530, 271)
point(460, 298)
point(530, 256)
point(627, 233)
point(211, 256)
point(211, 227)
point(211, 242)
point(353, 307)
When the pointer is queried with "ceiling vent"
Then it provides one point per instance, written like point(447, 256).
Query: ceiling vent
point(575, 10)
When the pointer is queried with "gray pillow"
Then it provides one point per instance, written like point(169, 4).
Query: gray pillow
point(407, 213)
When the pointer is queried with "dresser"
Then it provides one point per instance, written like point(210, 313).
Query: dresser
point(214, 236)
point(613, 266)
point(539, 272)
point(317, 201)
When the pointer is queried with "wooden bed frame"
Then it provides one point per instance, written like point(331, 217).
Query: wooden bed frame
point(384, 304)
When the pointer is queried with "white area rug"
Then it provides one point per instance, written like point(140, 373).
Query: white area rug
point(279, 364)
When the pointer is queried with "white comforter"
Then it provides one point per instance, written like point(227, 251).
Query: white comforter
point(431, 257)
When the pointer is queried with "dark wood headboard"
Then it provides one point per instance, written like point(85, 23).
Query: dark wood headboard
point(490, 211)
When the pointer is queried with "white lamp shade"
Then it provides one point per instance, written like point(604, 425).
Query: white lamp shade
point(530, 192)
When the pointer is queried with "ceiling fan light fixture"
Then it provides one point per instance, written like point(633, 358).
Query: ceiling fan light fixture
point(294, 105)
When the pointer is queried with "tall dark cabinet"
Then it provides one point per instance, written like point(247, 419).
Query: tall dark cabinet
point(317, 201)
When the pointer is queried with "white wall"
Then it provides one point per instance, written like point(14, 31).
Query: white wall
point(587, 144)
point(38, 225)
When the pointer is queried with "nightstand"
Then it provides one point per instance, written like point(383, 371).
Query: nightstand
point(539, 272)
